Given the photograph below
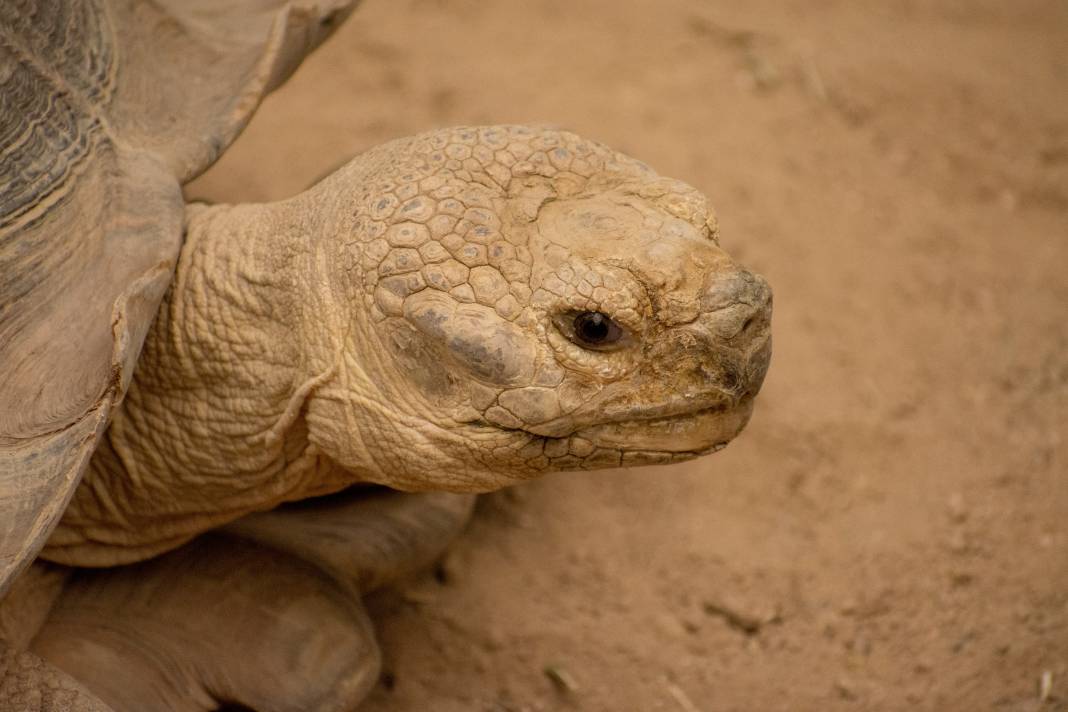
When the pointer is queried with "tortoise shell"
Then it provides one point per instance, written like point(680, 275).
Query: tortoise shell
point(106, 108)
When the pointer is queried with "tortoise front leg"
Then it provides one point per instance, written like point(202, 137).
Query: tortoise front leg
point(266, 613)
point(363, 538)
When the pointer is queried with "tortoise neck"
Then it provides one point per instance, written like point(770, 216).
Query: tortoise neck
point(212, 426)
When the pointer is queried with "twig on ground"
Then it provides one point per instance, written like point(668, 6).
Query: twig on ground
point(561, 678)
point(680, 696)
point(748, 622)
point(1045, 685)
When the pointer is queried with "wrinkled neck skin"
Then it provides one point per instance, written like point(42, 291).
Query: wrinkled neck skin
point(212, 426)
point(256, 379)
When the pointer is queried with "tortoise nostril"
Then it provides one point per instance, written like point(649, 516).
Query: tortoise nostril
point(736, 304)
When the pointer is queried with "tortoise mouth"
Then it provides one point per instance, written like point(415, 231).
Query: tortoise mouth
point(696, 432)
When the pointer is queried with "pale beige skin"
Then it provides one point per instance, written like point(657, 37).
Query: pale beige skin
point(407, 322)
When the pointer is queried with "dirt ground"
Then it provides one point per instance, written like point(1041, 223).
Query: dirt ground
point(891, 531)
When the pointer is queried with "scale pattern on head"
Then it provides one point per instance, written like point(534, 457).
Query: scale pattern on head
point(475, 254)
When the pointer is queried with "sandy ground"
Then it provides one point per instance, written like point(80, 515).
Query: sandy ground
point(891, 532)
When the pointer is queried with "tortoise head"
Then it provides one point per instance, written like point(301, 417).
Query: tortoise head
point(523, 301)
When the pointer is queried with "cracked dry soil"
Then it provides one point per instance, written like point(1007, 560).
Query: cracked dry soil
point(891, 532)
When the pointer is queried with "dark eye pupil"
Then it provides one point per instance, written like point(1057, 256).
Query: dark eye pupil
point(593, 327)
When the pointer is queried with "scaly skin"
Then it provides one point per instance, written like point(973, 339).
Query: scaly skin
point(409, 321)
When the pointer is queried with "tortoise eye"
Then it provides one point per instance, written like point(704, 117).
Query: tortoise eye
point(595, 330)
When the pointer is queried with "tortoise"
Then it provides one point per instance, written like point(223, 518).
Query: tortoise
point(323, 383)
